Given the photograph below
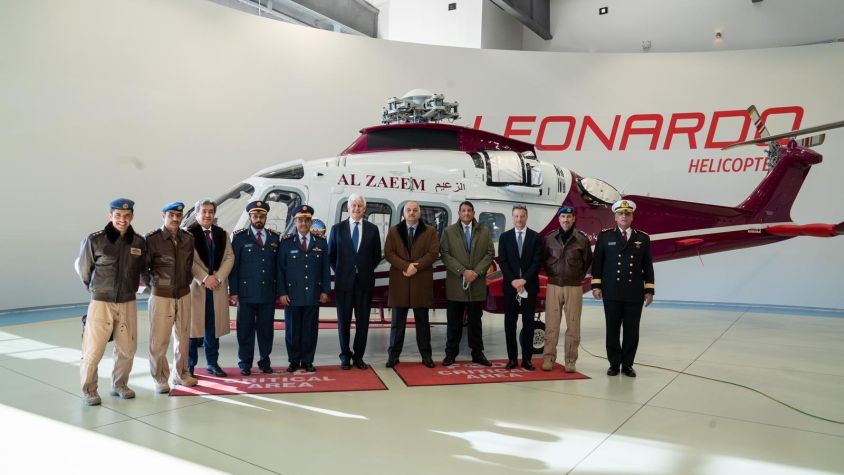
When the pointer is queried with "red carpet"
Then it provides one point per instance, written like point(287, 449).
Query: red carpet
point(466, 372)
point(326, 379)
point(326, 325)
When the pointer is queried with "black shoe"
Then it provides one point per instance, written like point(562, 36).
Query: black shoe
point(216, 371)
point(448, 361)
point(246, 372)
point(292, 367)
point(629, 372)
point(359, 364)
point(190, 370)
point(528, 365)
point(345, 365)
point(428, 362)
point(481, 360)
point(612, 371)
point(392, 362)
point(310, 368)
point(510, 364)
point(267, 370)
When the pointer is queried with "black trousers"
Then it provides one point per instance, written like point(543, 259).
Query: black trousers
point(359, 301)
point(301, 329)
point(622, 315)
point(398, 326)
point(512, 309)
point(254, 319)
point(454, 332)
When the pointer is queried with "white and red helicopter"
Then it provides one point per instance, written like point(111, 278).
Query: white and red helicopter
point(413, 157)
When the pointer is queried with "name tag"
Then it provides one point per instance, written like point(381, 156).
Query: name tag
point(294, 251)
point(248, 245)
point(135, 251)
point(611, 243)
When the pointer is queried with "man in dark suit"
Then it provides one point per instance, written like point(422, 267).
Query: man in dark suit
point(253, 285)
point(354, 250)
point(520, 256)
point(624, 286)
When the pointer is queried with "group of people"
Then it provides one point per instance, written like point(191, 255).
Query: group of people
point(194, 273)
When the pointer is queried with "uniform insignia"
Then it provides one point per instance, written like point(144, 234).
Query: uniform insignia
point(294, 251)
point(316, 249)
point(273, 244)
point(274, 232)
point(239, 231)
point(638, 244)
point(611, 243)
point(97, 233)
point(135, 251)
point(607, 230)
point(641, 232)
point(125, 206)
point(152, 233)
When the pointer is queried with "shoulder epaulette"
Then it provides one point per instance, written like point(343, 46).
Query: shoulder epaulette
point(581, 232)
point(607, 230)
point(97, 233)
point(152, 233)
point(239, 231)
point(273, 231)
point(642, 232)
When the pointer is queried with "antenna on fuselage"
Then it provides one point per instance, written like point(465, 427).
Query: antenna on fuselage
point(419, 106)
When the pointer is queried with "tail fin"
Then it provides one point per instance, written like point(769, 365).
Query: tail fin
point(771, 201)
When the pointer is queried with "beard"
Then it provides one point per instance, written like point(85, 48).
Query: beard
point(258, 225)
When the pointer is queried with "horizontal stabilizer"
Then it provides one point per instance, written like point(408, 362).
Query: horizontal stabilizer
point(813, 141)
point(813, 230)
point(789, 135)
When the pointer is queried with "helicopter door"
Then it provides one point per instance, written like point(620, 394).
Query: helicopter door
point(511, 168)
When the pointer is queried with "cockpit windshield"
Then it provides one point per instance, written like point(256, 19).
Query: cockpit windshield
point(230, 206)
point(595, 191)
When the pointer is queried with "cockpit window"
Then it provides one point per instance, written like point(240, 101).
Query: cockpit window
point(282, 203)
point(595, 191)
point(493, 221)
point(294, 172)
point(229, 207)
point(379, 214)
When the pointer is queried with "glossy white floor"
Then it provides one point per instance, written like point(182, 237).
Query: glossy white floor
point(660, 422)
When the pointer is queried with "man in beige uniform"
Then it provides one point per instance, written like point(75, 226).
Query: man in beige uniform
point(111, 263)
point(568, 255)
point(169, 264)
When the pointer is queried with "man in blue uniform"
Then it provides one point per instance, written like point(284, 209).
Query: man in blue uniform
point(253, 286)
point(304, 280)
point(623, 276)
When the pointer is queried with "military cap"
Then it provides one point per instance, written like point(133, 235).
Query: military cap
point(122, 203)
point(303, 211)
point(623, 205)
point(258, 207)
point(566, 209)
point(174, 206)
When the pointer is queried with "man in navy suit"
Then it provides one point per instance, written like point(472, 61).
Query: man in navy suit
point(520, 256)
point(354, 250)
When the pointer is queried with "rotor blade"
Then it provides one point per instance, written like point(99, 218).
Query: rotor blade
point(761, 129)
point(788, 135)
point(813, 141)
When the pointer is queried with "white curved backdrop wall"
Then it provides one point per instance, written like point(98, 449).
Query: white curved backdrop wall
point(160, 100)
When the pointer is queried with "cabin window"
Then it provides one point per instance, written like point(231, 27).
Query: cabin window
point(493, 221)
point(379, 214)
point(293, 172)
point(282, 203)
point(433, 215)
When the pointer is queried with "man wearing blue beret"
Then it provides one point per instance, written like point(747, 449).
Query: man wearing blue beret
point(568, 255)
point(170, 264)
point(253, 285)
point(111, 264)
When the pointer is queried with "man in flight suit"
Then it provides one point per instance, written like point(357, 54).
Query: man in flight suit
point(623, 276)
point(111, 264)
point(304, 280)
point(253, 286)
point(170, 268)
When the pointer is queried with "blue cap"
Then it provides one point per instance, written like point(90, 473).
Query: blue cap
point(566, 209)
point(123, 203)
point(258, 206)
point(174, 206)
point(303, 211)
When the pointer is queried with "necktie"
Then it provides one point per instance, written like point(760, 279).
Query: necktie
point(468, 237)
point(519, 241)
point(355, 237)
point(260, 239)
point(624, 236)
point(208, 240)
point(304, 244)
point(410, 234)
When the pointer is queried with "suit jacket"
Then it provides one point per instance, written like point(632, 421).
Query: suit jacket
point(346, 262)
point(623, 272)
point(219, 263)
point(416, 291)
point(254, 277)
point(303, 275)
point(457, 259)
point(525, 267)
